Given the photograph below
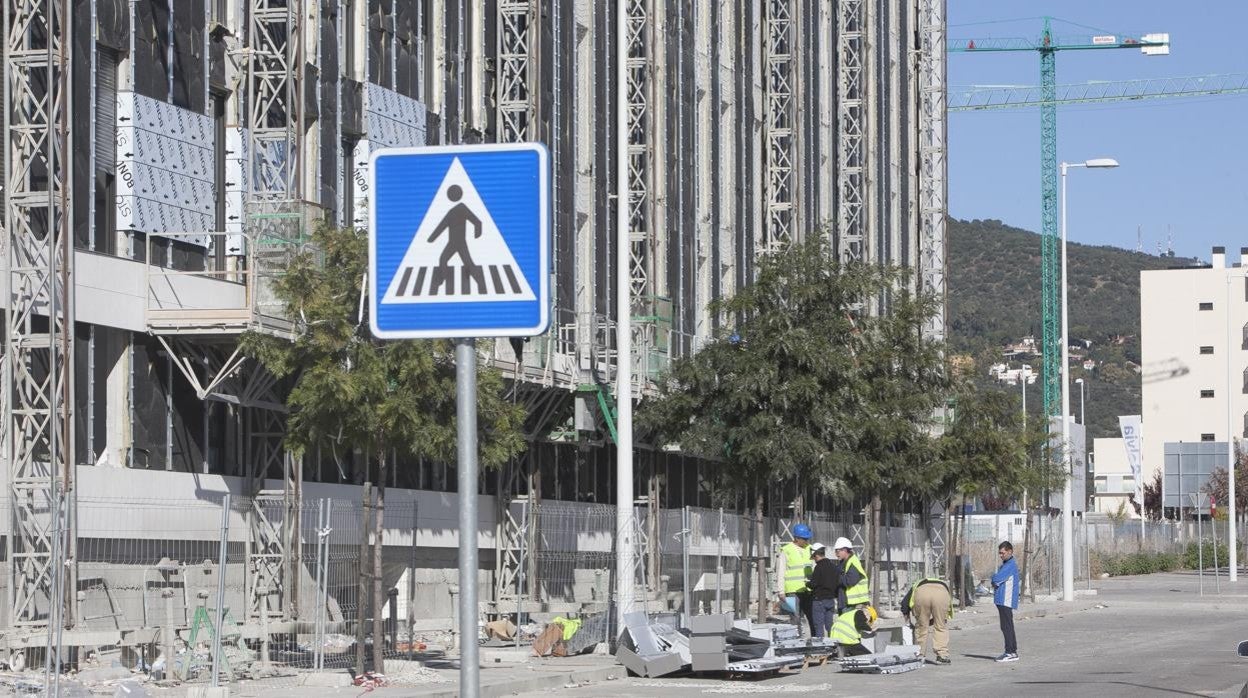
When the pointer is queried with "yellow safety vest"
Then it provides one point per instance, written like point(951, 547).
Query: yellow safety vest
point(859, 593)
point(844, 632)
point(797, 567)
point(915, 586)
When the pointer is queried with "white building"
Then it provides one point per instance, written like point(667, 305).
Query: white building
point(1191, 320)
point(1112, 476)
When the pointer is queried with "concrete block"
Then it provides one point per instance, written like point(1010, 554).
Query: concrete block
point(710, 624)
point(1085, 592)
point(208, 692)
point(707, 644)
point(104, 674)
point(326, 679)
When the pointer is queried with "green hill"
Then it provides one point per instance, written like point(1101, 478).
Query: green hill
point(994, 299)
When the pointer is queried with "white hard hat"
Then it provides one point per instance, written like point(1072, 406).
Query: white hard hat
point(842, 542)
point(816, 547)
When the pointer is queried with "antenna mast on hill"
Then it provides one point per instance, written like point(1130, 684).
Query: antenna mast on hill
point(1139, 239)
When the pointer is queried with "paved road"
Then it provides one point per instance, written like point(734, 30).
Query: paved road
point(1153, 636)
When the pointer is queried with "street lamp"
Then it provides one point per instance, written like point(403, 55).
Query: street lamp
point(1068, 528)
point(1082, 418)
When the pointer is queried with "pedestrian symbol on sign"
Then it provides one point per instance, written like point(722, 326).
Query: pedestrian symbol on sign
point(457, 253)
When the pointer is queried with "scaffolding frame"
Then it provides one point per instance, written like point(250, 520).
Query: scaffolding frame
point(851, 130)
point(38, 354)
point(932, 162)
point(778, 224)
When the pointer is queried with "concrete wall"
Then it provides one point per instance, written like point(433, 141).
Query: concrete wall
point(1173, 330)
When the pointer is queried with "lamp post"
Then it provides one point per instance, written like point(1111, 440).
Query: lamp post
point(1231, 533)
point(1068, 545)
point(1082, 417)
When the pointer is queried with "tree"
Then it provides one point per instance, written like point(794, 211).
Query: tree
point(353, 394)
point(810, 383)
point(1152, 498)
point(1218, 486)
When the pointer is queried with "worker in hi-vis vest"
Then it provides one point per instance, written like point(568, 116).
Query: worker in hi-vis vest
point(849, 629)
point(793, 567)
point(854, 589)
point(927, 606)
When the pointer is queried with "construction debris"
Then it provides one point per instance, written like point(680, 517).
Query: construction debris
point(895, 659)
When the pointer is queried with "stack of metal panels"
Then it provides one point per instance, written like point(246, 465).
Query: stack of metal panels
point(895, 659)
point(708, 643)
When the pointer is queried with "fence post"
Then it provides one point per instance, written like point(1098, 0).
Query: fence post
point(521, 565)
point(719, 565)
point(1213, 527)
point(217, 631)
point(316, 603)
point(687, 611)
point(362, 580)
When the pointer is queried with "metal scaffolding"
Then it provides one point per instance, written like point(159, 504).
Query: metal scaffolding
point(932, 163)
point(851, 125)
point(275, 97)
point(38, 346)
point(778, 224)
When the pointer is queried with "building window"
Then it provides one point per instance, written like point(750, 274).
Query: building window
point(1206, 393)
point(1206, 306)
point(1206, 350)
point(1206, 437)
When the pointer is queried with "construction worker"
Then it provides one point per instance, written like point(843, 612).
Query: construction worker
point(824, 583)
point(793, 560)
point(854, 590)
point(850, 627)
point(931, 604)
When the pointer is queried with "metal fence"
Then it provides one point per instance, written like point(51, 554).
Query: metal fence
point(292, 589)
point(1098, 543)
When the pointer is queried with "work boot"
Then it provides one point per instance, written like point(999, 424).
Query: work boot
point(944, 660)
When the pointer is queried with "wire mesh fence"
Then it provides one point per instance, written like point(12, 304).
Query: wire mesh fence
point(269, 591)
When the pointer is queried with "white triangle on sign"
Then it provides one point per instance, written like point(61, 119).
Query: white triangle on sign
point(457, 254)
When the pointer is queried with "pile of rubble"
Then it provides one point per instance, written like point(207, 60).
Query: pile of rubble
point(663, 645)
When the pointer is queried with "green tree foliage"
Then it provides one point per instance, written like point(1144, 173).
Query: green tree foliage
point(811, 383)
point(354, 392)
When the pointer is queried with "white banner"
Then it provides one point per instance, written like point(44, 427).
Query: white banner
point(1132, 439)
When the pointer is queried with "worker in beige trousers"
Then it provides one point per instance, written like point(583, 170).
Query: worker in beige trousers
point(931, 605)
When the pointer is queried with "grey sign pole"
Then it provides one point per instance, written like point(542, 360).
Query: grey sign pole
point(466, 445)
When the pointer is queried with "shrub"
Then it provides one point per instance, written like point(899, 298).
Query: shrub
point(1139, 563)
point(1192, 556)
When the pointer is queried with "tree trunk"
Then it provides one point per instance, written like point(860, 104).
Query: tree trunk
point(362, 591)
point(379, 595)
point(1022, 572)
point(873, 554)
point(764, 594)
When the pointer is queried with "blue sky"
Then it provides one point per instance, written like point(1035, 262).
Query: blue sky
point(1184, 162)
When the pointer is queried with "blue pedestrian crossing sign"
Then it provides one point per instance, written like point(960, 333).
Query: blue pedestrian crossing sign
point(459, 241)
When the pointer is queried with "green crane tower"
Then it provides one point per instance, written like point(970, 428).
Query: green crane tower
point(1048, 46)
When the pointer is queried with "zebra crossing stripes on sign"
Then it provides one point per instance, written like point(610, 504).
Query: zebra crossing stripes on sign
point(457, 253)
point(458, 241)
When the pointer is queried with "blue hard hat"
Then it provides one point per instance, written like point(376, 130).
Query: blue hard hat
point(802, 531)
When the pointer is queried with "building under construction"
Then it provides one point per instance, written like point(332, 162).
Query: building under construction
point(165, 158)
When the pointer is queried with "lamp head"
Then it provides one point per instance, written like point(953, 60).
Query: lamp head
point(1101, 162)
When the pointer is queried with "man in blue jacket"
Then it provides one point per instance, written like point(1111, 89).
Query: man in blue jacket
point(1005, 584)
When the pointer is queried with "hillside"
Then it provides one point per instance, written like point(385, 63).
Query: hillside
point(994, 299)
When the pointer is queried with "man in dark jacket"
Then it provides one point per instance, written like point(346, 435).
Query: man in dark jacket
point(824, 582)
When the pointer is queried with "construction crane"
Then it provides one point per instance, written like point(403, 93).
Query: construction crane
point(976, 98)
point(1047, 46)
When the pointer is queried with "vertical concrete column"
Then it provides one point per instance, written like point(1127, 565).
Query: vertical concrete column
point(586, 113)
point(705, 128)
point(117, 387)
point(726, 125)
